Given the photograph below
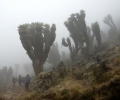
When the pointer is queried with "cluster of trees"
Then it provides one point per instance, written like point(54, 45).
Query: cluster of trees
point(37, 39)
point(6, 73)
point(81, 34)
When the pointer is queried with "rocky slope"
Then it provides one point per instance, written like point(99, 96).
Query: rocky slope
point(96, 78)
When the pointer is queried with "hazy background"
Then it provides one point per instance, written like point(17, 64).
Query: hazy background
point(16, 12)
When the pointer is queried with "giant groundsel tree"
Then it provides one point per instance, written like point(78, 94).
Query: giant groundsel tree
point(54, 56)
point(80, 34)
point(76, 25)
point(37, 39)
point(96, 33)
point(109, 21)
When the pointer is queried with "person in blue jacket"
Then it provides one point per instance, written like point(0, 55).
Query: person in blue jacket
point(27, 82)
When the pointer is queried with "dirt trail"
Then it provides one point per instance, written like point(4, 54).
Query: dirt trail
point(15, 93)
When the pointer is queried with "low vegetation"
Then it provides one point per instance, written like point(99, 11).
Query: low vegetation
point(92, 81)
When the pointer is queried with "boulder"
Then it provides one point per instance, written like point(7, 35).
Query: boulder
point(44, 81)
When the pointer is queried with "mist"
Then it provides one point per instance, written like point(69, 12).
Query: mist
point(16, 12)
point(59, 49)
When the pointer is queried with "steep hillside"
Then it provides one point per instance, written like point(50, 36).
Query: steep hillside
point(97, 78)
point(94, 78)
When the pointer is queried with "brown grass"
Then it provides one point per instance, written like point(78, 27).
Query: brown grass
point(70, 88)
point(2, 97)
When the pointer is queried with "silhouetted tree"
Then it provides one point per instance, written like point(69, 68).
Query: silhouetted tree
point(1, 75)
point(73, 52)
point(54, 56)
point(96, 32)
point(76, 25)
point(16, 69)
point(5, 72)
point(109, 21)
point(90, 36)
point(10, 72)
point(103, 36)
point(63, 55)
point(37, 39)
point(27, 67)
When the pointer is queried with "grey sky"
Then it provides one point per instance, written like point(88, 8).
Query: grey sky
point(16, 12)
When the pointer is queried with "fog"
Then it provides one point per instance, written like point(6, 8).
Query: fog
point(16, 12)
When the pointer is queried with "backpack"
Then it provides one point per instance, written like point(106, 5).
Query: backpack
point(28, 79)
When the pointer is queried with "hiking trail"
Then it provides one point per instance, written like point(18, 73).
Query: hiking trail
point(15, 93)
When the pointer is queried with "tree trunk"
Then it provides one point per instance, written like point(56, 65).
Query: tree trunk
point(38, 67)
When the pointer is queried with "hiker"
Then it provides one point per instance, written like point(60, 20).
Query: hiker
point(14, 80)
point(27, 82)
point(20, 80)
